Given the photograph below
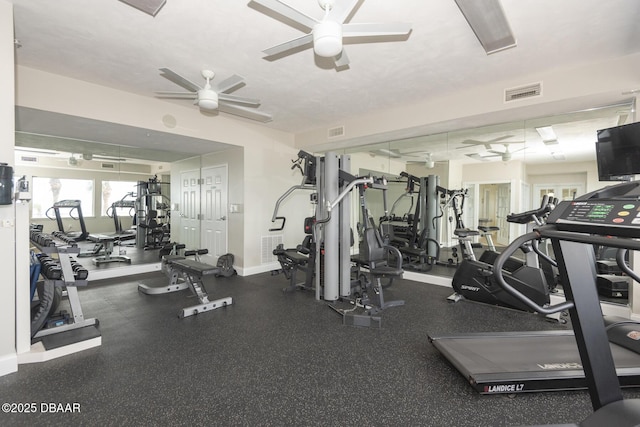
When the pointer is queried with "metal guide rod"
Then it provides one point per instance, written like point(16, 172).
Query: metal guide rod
point(345, 235)
point(331, 228)
point(318, 230)
point(430, 212)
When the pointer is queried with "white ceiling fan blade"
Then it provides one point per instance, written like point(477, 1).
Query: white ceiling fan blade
point(177, 95)
point(342, 9)
point(291, 44)
point(470, 142)
point(288, 12)
point(487, 144)
point(373, 29)
point(179, 80)
point(252, 102)
point(477, 156)
point(244, 112)
point(229, 83)
point(342, 60)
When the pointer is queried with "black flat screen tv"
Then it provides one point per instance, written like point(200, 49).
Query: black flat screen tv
point(618, 152)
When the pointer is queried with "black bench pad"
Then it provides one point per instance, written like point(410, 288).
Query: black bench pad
point(195, 267)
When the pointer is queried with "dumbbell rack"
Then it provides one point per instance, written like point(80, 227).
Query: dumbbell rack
point(64, 250)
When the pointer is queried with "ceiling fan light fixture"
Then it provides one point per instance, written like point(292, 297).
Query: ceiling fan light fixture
point(327, 39)
point(207, 99)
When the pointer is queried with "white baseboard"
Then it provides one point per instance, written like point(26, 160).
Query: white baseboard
point(427, 278)
point(8, 364)
point(258, 269)
point(128, 270)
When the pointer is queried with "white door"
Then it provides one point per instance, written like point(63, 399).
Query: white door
point(190, 209)
point(503, 208)
point(214, 212)
point(561, 191)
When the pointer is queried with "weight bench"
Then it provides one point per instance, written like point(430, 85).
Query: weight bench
point(176, 283)
point(108, 243)
point(192, 273)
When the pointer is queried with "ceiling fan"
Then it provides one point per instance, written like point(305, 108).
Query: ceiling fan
point(504, 155)
point(327, 35)
point(429, 163)
point(416, 157)
point(215, 98)
point(73, 159)
point(487, 144)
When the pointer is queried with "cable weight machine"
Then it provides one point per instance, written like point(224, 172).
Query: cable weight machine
point(332, 234)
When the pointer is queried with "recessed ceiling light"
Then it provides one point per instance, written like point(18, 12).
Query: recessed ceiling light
point(488, 22)
point(547, 134)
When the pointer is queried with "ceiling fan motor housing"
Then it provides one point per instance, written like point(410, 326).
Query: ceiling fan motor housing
point(207, 99)
point(327, 38)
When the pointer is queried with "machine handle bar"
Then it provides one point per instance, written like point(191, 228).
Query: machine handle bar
point(281, 226)
point(534, 215)
point(550, 231)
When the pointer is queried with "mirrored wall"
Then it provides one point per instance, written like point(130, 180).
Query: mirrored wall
point(485, 173)
point(166, 189)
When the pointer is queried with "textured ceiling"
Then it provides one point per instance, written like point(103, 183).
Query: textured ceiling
point(112, 44)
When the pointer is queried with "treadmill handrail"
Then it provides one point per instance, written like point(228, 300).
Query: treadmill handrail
point(498, 274)
point(550, 231)
point(620, 255)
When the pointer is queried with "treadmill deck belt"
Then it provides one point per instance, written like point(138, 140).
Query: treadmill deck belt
point(519, 362)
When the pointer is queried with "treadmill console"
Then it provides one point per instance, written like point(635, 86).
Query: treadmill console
point(609, 211)
point(612, 217)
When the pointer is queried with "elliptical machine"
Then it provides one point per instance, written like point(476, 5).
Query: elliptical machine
point(474, 279)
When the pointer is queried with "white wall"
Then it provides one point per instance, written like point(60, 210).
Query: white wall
point(8, 358)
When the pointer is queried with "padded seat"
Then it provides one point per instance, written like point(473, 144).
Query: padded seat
point(386, 271)
point(488, 229)
point(465, 232)
point(292, 255)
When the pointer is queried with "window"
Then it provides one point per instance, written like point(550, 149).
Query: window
point(47, 191)
point(113, 191)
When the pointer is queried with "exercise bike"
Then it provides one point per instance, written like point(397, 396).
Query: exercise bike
point(474, 279)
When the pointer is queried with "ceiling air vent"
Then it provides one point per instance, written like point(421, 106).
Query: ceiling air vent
point(336, 132)
point(108, 166)
point(523, 92)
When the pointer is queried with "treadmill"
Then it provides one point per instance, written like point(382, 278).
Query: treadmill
point(519, 362)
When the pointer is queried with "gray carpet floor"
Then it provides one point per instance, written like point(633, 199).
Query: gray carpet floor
point(276, 359)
